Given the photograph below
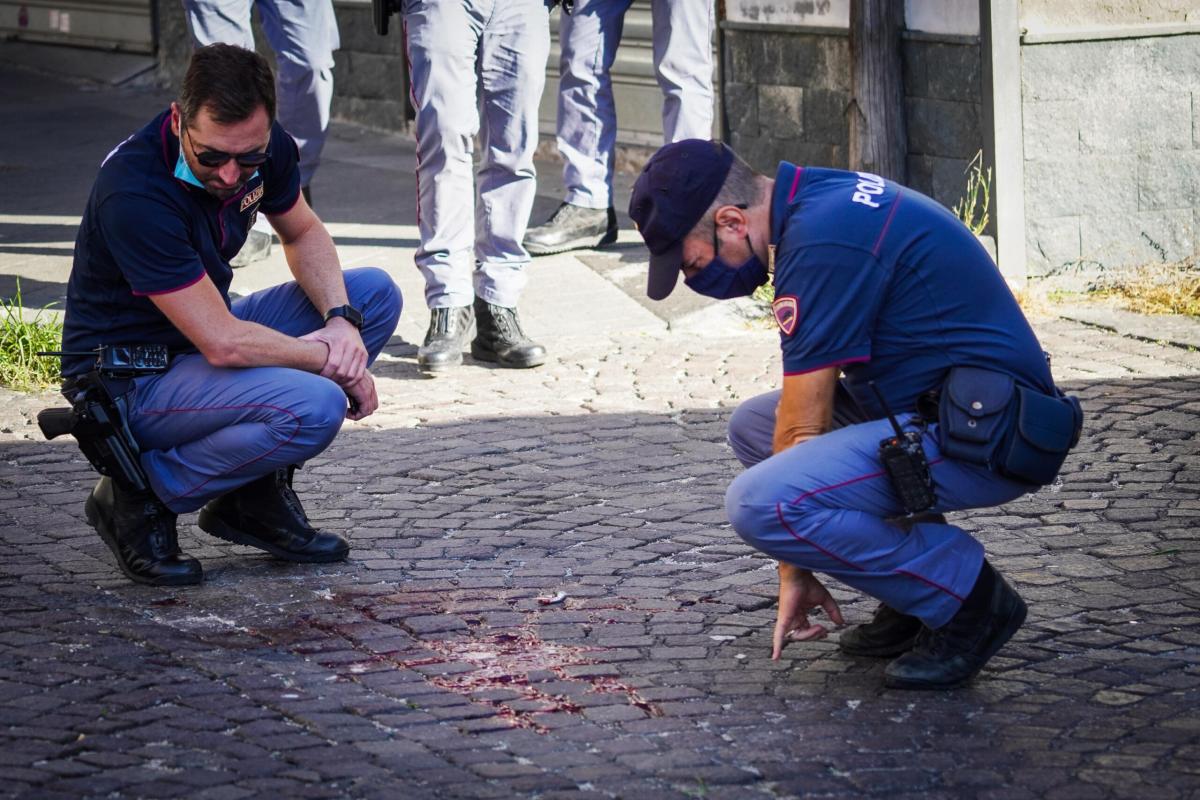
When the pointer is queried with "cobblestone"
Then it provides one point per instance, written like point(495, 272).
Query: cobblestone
point(425, 666)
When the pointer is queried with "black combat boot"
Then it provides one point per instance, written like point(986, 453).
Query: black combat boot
point(890, 632)
point(572, 227)
point(140, 531)
point(445, 339)
point(952, 654)
point(267, 514)
point(499, 338)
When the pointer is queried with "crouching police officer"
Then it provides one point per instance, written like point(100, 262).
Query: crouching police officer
point(883, 286)
point(251, 388)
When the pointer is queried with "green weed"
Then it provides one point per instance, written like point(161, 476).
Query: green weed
point(972, 208)
point(20, 340)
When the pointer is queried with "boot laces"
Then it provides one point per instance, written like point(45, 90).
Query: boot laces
point(948, 640)
point(160, 538)
point(288, 494)
point(508, 326)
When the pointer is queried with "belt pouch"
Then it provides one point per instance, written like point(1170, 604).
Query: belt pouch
point(975, 414)
point(1046, 430)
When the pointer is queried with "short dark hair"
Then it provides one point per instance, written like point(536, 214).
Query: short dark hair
point(230, 81)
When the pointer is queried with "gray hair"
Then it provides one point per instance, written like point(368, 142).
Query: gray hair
point(741, 188)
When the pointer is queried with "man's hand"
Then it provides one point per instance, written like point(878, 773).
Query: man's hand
point(362, 393)
point(347, 360)
point(799, 592)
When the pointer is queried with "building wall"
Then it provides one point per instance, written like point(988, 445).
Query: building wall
point(1112, 151)
point(1037, 15)
point(787, 88)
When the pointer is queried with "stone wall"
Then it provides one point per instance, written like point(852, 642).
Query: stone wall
point(785, 96)
point(369, 78)
point(786, 93)
point(943, 109)
point(1112, 152)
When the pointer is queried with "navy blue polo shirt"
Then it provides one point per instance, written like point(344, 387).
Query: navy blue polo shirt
point(887, 284)
point(146, 232)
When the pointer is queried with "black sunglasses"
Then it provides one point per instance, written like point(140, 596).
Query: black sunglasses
point(217, 158)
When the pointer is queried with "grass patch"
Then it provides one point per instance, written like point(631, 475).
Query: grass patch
point(20, 340)
point(1164, 288)
point(1154, 288)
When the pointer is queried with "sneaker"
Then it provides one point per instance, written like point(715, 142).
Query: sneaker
point(256, 248)
point(572, 227)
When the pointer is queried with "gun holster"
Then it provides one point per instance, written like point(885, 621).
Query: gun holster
point(97, 421)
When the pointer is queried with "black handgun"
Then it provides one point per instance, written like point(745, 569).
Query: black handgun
point(97, 419)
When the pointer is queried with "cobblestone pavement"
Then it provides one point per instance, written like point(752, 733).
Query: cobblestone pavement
point(428, 665)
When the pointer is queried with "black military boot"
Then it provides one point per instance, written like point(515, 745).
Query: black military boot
point(889, 633)
point(572, 227)
point(952, 654)
point(499, 338)
point(141, 533)
point(445, 339)
point(267, 514)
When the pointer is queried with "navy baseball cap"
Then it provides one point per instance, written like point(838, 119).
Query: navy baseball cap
point(676, 187)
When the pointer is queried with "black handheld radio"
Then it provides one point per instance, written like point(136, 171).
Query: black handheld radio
point(904, 461)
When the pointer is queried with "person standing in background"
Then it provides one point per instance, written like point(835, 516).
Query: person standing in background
point(467, 59)
point(303, 34)
point(587, 117)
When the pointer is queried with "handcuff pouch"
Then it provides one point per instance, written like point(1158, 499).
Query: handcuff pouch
point(974, 414)
point(985, 418)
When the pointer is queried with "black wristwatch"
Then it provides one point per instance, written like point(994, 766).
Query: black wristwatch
point(348, 313)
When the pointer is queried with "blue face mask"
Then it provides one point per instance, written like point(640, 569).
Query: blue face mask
point(722, 280)
point(184, 172)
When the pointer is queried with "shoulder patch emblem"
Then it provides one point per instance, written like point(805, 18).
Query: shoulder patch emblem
point(787, 313)
point(252, 198)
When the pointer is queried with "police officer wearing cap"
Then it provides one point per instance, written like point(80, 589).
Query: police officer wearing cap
point(254, 386)
point(884, 302)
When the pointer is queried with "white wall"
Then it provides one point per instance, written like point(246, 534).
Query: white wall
point(943, 16)
point(818, 13)
point(931, 16)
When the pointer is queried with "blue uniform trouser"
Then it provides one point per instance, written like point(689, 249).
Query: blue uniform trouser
point(824, 505)
point(587, 118)
point(205, 430)
point(469, 58)
point(303, 34)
